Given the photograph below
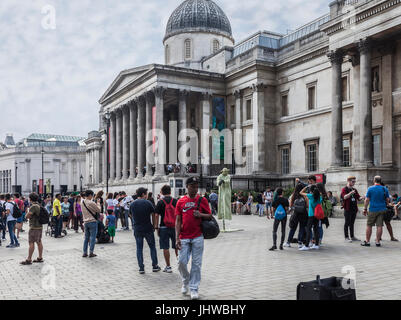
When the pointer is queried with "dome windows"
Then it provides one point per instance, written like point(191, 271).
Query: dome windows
point(216, 46)
point(187, 49)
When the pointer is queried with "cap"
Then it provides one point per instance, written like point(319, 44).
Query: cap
point(192, 180)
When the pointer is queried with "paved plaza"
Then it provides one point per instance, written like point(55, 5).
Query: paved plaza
point(235, 266)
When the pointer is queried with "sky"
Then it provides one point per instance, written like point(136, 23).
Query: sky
point(58, 57)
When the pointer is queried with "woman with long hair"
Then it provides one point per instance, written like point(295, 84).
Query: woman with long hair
point(314, 198)
point(299, 216)
point(99, 199)
point(150, 198)
point(325, 221)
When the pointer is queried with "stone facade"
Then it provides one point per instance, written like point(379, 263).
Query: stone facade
point(324, 99)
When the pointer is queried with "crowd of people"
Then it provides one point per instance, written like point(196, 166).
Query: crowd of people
point(177, 222)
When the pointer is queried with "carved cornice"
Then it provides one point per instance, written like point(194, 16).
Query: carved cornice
point(365, 45)
point(336, 57)
point(183, 95)
point(159, 92)
point(237, 94)
point(258, 87)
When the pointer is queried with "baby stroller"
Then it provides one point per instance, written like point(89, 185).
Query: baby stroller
point(102, 233)
point(51, 227)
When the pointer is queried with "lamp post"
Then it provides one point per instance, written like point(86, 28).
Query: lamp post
point(108, 116)
point(201, 171)
point(43, 179)
point(16, 176)
point(80, 179)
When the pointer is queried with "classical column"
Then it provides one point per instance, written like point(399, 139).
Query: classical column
point(70, 175)
point(104, 159)
point(112, 147)
point(366, 102)
point(28, 175)
point(160, 155)
point(238, 98)
point(258, 116)
point(118, 144)
point(88, 165)
point(141, 135)
point(97, 165)
point(126, 150)
point(336, 59)
point(149, 149)
point(182, 121)
point(133, 124)
point(356, 110)
point(206, 154)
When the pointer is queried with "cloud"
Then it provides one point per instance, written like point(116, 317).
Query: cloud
point(51, 80)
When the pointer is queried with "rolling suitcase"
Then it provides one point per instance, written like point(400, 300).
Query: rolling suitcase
point(326, 289)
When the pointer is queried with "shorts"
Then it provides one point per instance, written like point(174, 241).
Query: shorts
point(376, 218)
point(268, 205)
point(35, 235)
point(165, 235)
point(66, 218)
point(111, 231)
point(20, 219)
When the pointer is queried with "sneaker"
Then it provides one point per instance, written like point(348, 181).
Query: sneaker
point(92, 255)
point(273, 248)
point(355, 239)
point(304, 248)
point(11, 246)
point(281, 247)
point(300, 245)
point(349, 240)
point(378, 245)
point(287, 245)
point(141, 271)
point(84, 255)
point(17, 245)
point(315, 247)
point(168, 269)
point(184, 289)
point(194, 295)
point(365, 244)
point(156, 269)
point(310, 244)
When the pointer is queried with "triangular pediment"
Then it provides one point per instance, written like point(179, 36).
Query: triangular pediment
point(124, 79)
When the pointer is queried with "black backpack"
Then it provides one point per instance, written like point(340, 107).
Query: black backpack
point(300, 205)
point(16, 211)
point(43, 216)
point(210, 228)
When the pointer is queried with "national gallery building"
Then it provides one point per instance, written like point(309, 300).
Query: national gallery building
point(324, 99)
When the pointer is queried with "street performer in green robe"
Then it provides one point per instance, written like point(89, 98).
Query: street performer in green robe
point(224, 204)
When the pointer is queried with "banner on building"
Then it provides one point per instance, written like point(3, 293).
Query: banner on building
point(219, 123)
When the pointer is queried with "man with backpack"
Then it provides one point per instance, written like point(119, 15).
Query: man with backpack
point(13, 213)
point(349, 200)
point(35, 229)
point(165, 209)
point(280, 207)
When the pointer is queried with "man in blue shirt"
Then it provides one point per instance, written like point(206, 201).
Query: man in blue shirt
point(377, 197)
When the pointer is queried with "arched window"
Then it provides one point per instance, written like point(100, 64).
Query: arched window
point(167, 57)
point(187, 48)
point(216, 46)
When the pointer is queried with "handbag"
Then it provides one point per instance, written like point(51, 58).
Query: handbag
point(210, 228)
point(390, 213)
point(96, 216)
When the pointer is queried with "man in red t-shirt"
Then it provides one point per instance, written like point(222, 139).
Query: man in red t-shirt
point(190, 211)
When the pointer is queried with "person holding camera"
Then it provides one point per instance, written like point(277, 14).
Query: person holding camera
point(350, 198)
point(90, 212)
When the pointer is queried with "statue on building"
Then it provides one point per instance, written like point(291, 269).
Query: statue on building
point(224, 203)
point(376, 81)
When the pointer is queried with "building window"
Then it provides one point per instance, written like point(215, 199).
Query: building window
point(344, 88)
point(188, 49)
point(284, 105)
point(312, 159)
point(167, 54)
point(311, 97)
point(377, 149)
point(285, 160)
point(249, 109)
point(216, 46)
point(347, 152)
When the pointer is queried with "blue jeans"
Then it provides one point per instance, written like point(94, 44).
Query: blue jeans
point(11, 226)
point(90, 236)
point(190, 247)
point(4, 224)
point(59, 225)
point(150, 239)
point(259, 209)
